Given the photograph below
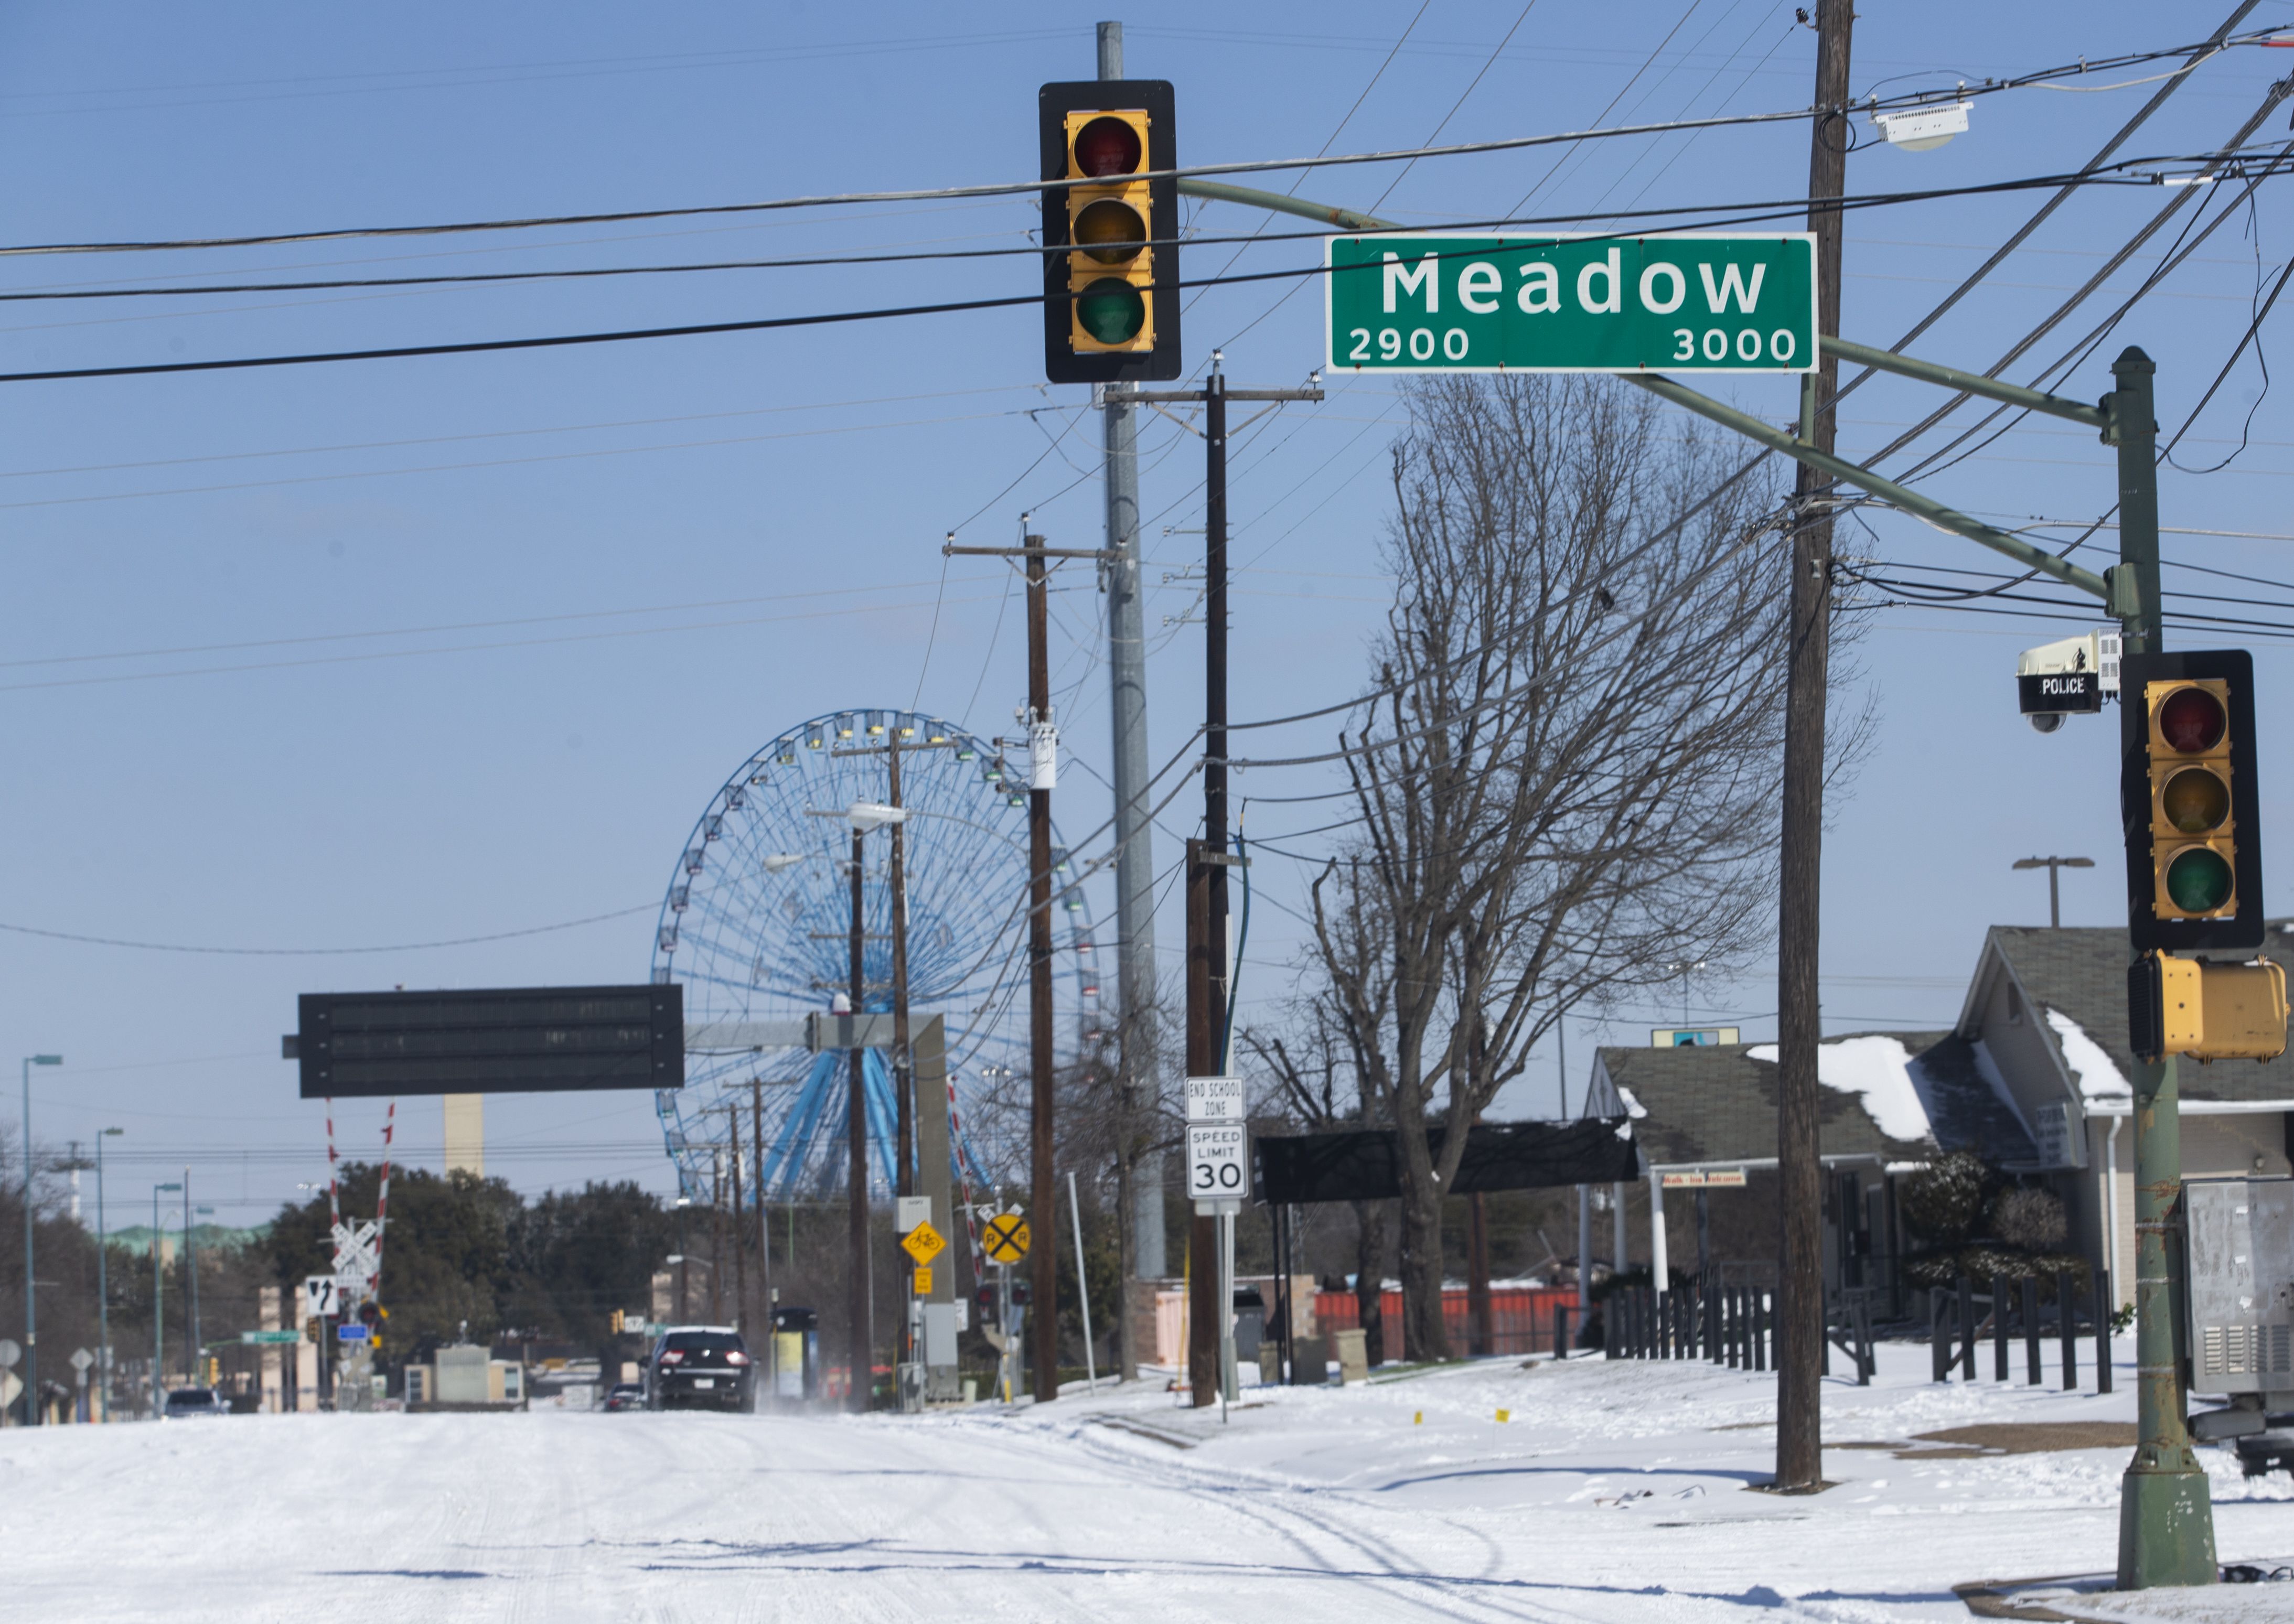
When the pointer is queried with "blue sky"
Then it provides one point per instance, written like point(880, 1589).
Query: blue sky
point(343, 655)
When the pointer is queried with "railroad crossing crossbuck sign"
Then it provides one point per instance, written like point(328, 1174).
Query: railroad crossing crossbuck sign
point(1006, 1237)
point(923, 1244)
point(1692, 303)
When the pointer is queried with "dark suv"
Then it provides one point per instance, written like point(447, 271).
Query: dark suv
point(705, 1365)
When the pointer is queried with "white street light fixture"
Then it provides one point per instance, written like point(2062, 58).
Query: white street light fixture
point(776, 861)
point(866, 816)
point(1922, 129)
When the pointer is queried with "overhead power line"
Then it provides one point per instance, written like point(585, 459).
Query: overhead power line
point(1018, 187)
point(308, 953)
point(1755, 213)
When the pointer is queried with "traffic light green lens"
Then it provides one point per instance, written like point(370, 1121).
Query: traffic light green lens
point(2198, 882)
point(1111, 311)
point(1107, 146)
point(2195, 800)
point(1110, 232)
point(2190, 721)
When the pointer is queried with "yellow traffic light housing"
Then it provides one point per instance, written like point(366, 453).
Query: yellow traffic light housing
point(2193, 832)
point(1110, 261)
point(2187, 790)
point(2208, 1011)
point(1111, 267)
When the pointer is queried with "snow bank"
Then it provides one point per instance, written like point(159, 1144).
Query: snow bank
point(2099, 1077)
point(1878, 1071)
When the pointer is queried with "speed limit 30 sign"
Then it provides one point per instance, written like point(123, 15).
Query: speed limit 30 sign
point(1219, 1161)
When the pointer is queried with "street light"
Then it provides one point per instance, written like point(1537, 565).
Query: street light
point(2054, 898)
point(102, 1286)
point(31, 1325)
point(159, 1302)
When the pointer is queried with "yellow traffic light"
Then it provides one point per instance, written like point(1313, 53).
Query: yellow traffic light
point(2192, 832)
point(1111, 264)
point(1111, 269)
point(2187, 790)
point(617, 1322)
point(2209, 1012)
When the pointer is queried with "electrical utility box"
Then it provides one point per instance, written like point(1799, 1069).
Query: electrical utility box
point(2241, 1275)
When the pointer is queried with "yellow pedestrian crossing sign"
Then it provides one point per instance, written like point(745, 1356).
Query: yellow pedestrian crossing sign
point(923, 1243)
point(1006, 1237)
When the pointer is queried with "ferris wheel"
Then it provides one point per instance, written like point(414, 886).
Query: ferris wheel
point(757, 926)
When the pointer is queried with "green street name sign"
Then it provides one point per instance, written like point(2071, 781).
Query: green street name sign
point(1722, 303)
point(260, 1338)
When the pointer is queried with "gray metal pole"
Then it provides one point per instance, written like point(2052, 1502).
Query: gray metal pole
point(1134, 863)
point(31, 1325)
point(102, 1290)
point(2165, 1520)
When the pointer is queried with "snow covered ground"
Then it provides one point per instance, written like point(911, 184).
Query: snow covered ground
point(1614, 1492)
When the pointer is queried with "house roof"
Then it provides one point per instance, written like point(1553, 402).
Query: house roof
point(2080, 973)
point(1897, 1096)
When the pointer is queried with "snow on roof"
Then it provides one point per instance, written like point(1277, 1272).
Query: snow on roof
point(1878, 1071)
point(1634, 1109)
point(2099, 1077)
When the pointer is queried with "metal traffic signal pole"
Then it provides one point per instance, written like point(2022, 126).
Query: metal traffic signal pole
point(1141, 1173)
point(2165, 1520)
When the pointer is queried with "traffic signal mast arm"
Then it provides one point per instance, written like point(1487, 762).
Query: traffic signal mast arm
point(1888, 491)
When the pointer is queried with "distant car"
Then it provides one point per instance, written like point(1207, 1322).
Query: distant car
point(625, 1395)
point(188, 1403)
point(699, 1365)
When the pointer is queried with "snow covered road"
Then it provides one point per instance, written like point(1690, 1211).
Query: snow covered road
point(1614, 1491)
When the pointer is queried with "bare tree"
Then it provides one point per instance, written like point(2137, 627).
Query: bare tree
point(1565, 777)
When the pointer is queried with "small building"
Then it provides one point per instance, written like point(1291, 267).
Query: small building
point(2034, 1078)
point(2047, 1011)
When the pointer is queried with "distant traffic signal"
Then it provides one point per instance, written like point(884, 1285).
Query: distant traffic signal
point(1110, 281)
point(2187, 795)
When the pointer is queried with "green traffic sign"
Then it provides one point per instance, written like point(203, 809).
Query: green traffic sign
point(266, 1336)
point(1717, 303)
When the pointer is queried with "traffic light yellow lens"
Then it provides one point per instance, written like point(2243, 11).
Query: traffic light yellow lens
point(2195, 800)
point(2198, 882)
point(1107, 146)
point(1111, 311)
point(1110, 232)
point(2190, 721)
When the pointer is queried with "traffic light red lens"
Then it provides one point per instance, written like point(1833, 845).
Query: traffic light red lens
point(2198, 880)
point(2190, 721)
point(1109, 232)
point(1107, 146)
point(2195, 800)
point(1111, 311)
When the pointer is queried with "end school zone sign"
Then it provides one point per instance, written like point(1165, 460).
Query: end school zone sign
point(1693, 303)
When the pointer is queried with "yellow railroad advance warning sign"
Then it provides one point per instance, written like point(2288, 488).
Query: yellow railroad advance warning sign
point(923, 1243)
point(1006, 1237)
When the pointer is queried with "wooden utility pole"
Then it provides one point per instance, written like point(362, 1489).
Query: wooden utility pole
point(1209, 976)
point(764, 1219)
point(1800, 1318)
point(1042, 1259)
point(1043, 1278)
point(861, 1341)
point(740, 1247)
point(1203, 1061)
point(903, 1072)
